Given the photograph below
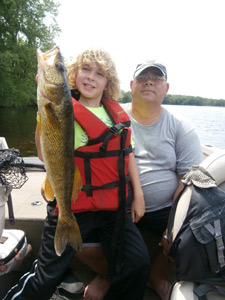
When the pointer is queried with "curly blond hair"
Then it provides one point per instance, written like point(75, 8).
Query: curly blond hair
point(103, 59)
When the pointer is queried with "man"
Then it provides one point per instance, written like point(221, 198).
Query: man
point(166, 146)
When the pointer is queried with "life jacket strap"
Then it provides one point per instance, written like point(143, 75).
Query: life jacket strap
point(106, 135)
point(111, 153)
point(89, 188)
point(117, 245)
point(87, 156)
point(113, 130)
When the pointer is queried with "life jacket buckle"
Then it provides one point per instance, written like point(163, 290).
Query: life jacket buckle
point(115, 128)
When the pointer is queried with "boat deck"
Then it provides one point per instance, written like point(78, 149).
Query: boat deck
point(30, 211)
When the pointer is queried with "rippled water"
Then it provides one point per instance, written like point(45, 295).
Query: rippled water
point(209, 122)
point(18, 125)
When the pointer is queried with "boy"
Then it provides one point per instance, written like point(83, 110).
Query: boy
point(94, 81)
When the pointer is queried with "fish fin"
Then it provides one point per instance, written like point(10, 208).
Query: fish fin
point(49, 194)
point(77, 184)
point(67, 231)
point(52, 115)
point(39, 122)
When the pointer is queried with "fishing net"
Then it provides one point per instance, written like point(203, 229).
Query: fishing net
point(12, 168)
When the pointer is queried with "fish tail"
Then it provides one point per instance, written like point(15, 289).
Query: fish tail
point(67, 231)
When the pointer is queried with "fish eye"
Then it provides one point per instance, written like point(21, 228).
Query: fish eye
point(60, 66)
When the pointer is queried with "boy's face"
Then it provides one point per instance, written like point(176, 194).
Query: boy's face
point(91, 81)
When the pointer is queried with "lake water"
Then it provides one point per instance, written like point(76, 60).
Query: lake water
point(18, 125)
point(18, 128)
point(209, 122)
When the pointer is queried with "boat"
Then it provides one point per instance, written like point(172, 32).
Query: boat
point(30, 211)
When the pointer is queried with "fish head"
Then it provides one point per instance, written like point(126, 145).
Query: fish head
point(51, 75)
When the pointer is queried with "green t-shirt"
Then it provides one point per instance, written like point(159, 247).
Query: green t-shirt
point(81, 138)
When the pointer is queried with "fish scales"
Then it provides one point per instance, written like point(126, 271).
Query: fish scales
point(57, 144)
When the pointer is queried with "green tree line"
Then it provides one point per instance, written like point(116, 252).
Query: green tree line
point(25, 25)
point(179, 100)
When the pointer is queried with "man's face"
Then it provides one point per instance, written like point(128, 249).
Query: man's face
point(150, 86)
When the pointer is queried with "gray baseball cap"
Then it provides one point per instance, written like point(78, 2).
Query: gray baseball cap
point(150, 64)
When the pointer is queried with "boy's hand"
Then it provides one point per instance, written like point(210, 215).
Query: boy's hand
point(43, 193)
point(138, 208)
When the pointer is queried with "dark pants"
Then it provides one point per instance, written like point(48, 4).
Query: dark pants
point(48, 270)
point(155, 221)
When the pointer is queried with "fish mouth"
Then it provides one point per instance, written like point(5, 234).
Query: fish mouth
point(51, 57)
point(52, 78)
point(48, 55)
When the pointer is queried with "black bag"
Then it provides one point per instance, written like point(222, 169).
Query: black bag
point(198, 247)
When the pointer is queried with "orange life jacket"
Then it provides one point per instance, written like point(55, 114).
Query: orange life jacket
point(103, 162)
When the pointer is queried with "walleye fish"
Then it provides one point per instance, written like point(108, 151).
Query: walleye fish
point(56, 127)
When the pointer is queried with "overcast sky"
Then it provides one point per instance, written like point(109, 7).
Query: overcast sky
point(188, 36)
